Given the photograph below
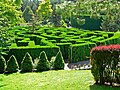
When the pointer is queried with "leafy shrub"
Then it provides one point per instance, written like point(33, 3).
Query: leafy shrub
point(105, 61)
point(2, 64)
point(43, 63)
point(59, 61)
point(27, 63)
point(12, 65)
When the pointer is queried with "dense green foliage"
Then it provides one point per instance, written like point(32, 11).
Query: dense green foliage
point(18, 2)
point(73, 13)
point(10, 13)
point(12, 65)
point(43, 63)
point(44, 11)
point(75, 44)
point(27, 63)
point(80, 51)
point(2, 64)
point(28, 14)
point(58, 62)
point(19, 52)
point(105, 64)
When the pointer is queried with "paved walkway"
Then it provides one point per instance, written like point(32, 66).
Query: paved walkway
point(81, 64)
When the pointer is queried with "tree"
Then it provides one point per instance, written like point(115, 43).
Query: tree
point(18, 2)
point(10, 13)
point(111, 16)
point(12, 65)
point(44, 11)
point(31, 4)
point(27, 63)
point(28, 14)
point(56, 19)
point(43, 63)
point(59, 61)
point(2, 64)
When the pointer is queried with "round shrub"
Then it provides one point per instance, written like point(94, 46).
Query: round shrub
point(43, 63)
point(12, 65)
point(27, 63)
point(59, 61)
point(2, 64)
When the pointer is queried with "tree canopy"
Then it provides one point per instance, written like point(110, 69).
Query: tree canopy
point(10, 13)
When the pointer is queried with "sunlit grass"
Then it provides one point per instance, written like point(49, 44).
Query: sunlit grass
point(51, 80)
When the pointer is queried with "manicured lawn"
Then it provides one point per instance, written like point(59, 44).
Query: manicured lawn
point(51, 80)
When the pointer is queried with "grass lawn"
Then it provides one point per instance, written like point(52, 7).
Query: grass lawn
point(51, 80)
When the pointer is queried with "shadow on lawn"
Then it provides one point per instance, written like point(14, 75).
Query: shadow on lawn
point(103, 87)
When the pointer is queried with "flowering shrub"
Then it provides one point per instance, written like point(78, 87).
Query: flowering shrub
point(105, 61)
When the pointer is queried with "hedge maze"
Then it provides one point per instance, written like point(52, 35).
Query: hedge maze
point(74, 44)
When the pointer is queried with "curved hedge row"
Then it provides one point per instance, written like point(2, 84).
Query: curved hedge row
point(75, 44)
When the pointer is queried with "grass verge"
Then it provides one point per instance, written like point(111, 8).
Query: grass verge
point(51, 80)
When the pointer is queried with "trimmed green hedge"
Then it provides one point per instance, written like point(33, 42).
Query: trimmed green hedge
point(27, 63)
point(78, 52)
point(58, 62)
point(64, 47)
point(19, 52)
point(43, 63)
point(2, 64)
point(22, 43)
point(12, 65)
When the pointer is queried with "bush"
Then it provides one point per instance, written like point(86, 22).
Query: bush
point(2, 64)
point(105, 61)
point(43, 63)
point(19, 52)
point(27, 63)
point(12, 65)
point(59, 61)
point(31, 44)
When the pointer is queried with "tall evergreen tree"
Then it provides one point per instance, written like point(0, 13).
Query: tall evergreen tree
point(28, 14)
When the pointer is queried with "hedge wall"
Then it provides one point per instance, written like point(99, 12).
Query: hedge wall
point(64, 47)
point(78, 52)
point(19, 52)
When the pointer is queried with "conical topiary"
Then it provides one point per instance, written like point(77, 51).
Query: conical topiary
point(27, 63)
point(2, 64)
point(12, 65)
point(59, 62)
point(43, 63)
